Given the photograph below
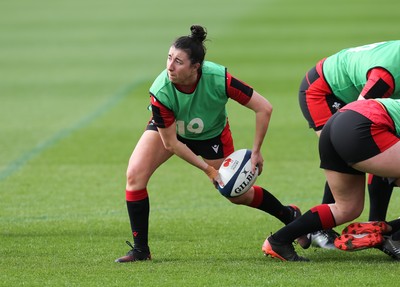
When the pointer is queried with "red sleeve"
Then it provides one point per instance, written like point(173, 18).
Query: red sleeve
point(380, 84)
point(162, 116)
point(238, 90)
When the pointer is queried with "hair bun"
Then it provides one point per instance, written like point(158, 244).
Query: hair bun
point(198, 32)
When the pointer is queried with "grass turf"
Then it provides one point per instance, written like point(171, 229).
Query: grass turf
point(73, 96)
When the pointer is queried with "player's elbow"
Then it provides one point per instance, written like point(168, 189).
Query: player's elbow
point(266, 109)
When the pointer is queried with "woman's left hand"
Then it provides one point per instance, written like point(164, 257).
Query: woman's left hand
point(257, 161)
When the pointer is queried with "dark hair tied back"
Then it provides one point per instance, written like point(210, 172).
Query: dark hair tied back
point(198, 33)
point(193, 44)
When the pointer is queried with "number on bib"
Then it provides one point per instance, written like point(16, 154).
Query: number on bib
point(195, 126)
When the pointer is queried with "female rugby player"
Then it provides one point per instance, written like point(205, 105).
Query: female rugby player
point(365, 72)
point(189, 119)
point(362, 137)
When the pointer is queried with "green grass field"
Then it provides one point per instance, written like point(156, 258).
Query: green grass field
point(74, 79)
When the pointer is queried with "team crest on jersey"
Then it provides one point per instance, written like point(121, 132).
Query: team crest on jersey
point(336, 106)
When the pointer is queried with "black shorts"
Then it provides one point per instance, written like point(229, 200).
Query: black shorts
point(215, 148)
point(316, 100)
point(345, 140)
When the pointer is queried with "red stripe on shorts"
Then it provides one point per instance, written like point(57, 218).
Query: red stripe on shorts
point(382, 129)
point(227, 140)
point(316, 93)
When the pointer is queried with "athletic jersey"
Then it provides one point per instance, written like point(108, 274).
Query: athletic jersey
point(346, 71)
point(201, 114)
point(393, 108)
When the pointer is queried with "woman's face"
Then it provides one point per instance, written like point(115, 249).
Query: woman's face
point(180, 69)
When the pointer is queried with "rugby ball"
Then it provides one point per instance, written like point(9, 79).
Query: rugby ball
point(236, 176)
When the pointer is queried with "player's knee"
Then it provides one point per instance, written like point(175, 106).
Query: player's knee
point(244, 199)
point(235, 200)
point(357, 211)
point(352, 213)
point(130, 178)
point(133, 175)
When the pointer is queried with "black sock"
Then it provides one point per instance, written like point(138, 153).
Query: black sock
point(380, 192)
point(395, 224)
point(307, 223)
point(270, 204)
point(139, 212)
point(396, 235)
point(328, 196)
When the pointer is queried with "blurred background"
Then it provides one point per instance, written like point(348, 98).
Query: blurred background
point(74, 80)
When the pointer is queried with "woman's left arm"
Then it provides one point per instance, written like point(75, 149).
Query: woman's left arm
point(263, 110)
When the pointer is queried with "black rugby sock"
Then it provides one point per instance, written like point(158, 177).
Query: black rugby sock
point(267, 202)
point(305, 224)
point(139, 219)
point(380, 192)
point(328, 196)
